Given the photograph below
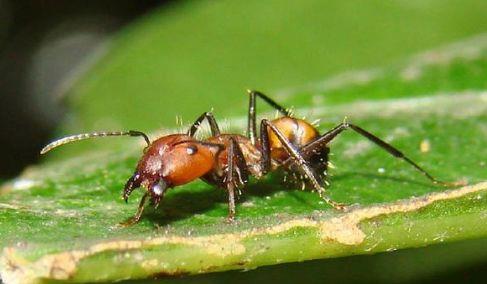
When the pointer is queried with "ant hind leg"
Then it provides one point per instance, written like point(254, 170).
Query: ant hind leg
point(333, 133)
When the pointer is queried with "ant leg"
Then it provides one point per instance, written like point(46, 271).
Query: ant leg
point(239, 170)
point(251, 123)
point(215, 130)
point(231, 203)
point(230, 185)
point(330, 135)
point(136, 218)
point(265, 162)
point(296, 156)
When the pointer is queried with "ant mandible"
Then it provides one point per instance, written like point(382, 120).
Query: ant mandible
point(227, 160)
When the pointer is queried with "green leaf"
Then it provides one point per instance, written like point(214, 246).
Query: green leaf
point(59, 220)
point(194, 56)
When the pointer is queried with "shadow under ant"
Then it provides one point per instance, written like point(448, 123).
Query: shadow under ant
point(185, 204)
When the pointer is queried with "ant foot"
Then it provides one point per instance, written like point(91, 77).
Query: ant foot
point(129, 222)
point(230, 220)
point(340, 206)
point(462, 182)
point(337, 205)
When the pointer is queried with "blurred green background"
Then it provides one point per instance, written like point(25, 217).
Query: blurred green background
point(184, 58)
point(149, 62)
point(188, 54)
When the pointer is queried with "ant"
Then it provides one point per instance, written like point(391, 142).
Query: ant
point(228, 160)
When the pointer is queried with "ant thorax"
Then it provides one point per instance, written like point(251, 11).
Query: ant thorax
point(251, 153)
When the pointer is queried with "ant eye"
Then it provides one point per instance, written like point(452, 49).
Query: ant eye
point(191, 150)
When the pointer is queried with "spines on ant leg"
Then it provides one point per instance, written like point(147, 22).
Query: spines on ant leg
point(84, 136)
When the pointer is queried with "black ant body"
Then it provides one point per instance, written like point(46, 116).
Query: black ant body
point(227, 160)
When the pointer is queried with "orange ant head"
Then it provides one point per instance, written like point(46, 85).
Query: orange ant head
point(170, 161)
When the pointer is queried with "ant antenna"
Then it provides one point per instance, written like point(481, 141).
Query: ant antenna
point(83, 136)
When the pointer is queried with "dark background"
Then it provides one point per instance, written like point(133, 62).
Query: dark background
point(41, 43)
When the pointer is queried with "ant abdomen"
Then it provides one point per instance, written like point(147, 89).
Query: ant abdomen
point(297, 131)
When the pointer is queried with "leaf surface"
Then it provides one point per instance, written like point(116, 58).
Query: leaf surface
point(59, 219)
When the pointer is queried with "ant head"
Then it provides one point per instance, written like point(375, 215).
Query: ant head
point(167, 162)
point(171, 161)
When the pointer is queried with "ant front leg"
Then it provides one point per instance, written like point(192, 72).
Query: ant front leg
point(330, 135)
point(215, 130)
point(136, 218)
point(296, 156)
point(236, 175)
point(251, 123)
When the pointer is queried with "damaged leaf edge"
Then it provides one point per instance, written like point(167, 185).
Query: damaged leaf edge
point(343, 229)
